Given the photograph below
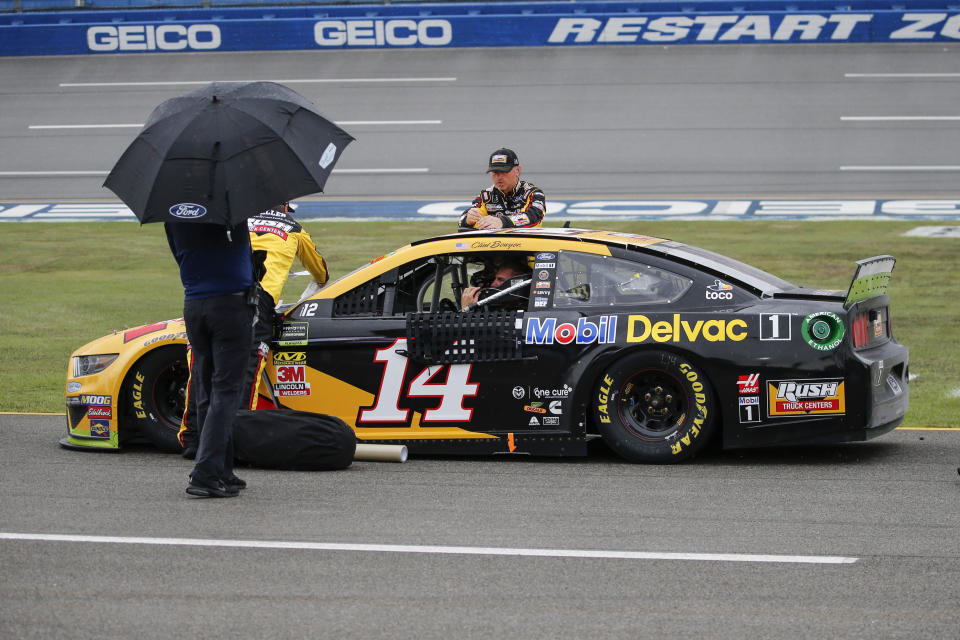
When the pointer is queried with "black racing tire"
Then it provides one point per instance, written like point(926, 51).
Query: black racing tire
point(654, 407)
point(153, 396)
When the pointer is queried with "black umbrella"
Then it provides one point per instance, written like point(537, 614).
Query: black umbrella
point(225, 152)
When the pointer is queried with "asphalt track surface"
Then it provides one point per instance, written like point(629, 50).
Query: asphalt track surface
point(856, 541)
point(690, 121)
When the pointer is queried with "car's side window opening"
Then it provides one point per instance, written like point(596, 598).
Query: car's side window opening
point(585, 279)
point(412, 287)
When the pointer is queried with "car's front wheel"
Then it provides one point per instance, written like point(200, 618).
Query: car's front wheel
point(654, 406)
point(153, 395)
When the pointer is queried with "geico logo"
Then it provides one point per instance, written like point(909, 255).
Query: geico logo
point(640, 328)
point(377, 33)
point(547, 331)
point(167, 37)
point(793, 391)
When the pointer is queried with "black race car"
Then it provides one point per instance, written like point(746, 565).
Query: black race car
point(653, 345)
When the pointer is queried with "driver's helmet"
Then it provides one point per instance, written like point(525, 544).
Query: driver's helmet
point(516, 299)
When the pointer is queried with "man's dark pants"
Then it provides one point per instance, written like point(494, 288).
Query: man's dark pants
point(220, 330)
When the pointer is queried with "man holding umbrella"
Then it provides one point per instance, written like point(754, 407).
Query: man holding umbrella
point(204, 163)
point(217, 274)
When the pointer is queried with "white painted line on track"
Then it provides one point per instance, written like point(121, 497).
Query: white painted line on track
point(53, 174)
point(84, 126)
point(401, 548)
point(174, 83)
point(901, 75)
point(897, 118)
point(399, 170)
point(344, 123)
point(137, 126)
point(901, 168)
point(50, 174)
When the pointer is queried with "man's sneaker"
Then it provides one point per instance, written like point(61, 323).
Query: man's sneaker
point(219, 491)
point(234, 481)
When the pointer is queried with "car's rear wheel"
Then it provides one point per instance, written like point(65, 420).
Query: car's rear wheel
point(654, 406)
point(153, 395)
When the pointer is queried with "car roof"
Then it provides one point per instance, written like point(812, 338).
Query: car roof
point(716, 264)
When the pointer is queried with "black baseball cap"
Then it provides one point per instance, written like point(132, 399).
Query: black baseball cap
point(503, 160)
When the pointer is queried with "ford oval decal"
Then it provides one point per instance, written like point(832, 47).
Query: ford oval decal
point(188, 210)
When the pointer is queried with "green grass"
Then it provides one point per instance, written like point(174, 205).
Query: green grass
point(62, 285)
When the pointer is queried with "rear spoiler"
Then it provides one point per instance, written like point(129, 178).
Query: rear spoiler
point(870, 279)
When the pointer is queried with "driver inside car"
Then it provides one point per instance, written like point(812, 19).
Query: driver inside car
point(505, 274)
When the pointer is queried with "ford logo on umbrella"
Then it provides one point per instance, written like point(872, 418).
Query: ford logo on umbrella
point(188, 210)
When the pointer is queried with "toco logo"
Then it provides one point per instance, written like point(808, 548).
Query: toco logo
point(719, 291)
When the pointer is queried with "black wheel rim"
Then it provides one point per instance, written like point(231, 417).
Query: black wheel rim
point(652, 404)
point(170, 393)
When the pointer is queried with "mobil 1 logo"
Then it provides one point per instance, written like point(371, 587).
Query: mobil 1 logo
point(749, 409)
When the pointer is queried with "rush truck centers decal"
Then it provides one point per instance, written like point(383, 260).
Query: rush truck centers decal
point(806, 397)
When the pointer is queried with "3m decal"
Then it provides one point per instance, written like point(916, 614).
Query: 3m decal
point(805, 397)
point(291, 381)
point(452, 391)
point(641, 329)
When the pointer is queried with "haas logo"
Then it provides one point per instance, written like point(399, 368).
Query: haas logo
point(749, 383)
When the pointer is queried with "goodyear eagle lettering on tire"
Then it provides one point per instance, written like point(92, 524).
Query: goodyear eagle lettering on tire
point(654, 406)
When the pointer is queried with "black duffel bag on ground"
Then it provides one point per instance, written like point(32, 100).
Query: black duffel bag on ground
point(288, 439)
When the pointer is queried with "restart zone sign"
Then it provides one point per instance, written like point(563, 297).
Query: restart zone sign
point(471, 25)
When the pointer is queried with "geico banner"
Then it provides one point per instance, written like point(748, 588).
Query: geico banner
point(389, 26)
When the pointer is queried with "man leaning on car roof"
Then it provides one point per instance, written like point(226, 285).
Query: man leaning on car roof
point(509, 201)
